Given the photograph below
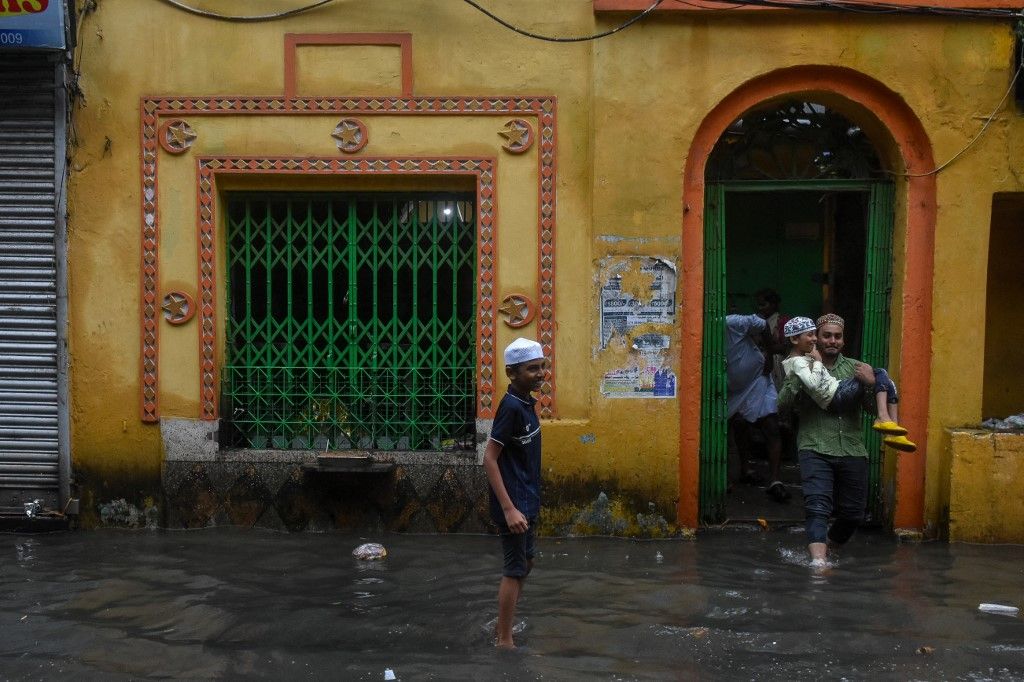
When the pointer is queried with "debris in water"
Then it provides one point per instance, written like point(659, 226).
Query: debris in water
point(32, 508)
point(925, 650)
point(389, 674)
point(1001, 609)
point(698, 633)
point(370, 551)
point(763, 523)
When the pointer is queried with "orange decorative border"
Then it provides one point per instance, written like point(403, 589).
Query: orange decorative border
point(153, 108)
point(915, 150)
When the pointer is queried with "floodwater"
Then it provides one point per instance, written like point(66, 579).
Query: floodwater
point(250, 604)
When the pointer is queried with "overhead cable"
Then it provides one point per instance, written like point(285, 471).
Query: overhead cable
point(565, 39)
point(251, 18)
point(984, 127)
point(863, 7)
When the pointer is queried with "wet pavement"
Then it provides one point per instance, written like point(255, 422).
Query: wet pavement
point(249, 604)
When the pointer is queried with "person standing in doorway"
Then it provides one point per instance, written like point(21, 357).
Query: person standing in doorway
point(512, 463)
point(768, 302)
point(833, 459)
point(751, 398)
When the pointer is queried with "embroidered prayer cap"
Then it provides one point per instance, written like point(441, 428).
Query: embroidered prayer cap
point(831, 318)
point(523, 350)
point(796, 326)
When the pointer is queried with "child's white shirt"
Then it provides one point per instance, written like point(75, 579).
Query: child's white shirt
point(817, 381)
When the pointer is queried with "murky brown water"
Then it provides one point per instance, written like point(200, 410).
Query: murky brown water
point(234, 604)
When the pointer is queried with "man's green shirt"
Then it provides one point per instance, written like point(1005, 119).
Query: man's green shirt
point(839, 435)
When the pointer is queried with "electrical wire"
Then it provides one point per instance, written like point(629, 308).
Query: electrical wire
point(984, 127)
point(862, 7)
point(563, 39)
point(243, 18)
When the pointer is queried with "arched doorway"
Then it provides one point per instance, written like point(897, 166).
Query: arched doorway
point(910, 156)
point(797, 204)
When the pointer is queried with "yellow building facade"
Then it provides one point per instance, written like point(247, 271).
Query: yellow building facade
point(586, 168)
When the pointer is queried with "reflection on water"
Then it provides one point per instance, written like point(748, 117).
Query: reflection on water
point(224, 603)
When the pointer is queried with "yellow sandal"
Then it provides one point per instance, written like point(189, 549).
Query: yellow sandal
point(889, 428)
point(900, 443)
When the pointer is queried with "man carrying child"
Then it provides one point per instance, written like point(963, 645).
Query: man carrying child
point(821, 387)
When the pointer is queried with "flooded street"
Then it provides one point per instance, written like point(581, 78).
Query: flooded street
point(232, 604)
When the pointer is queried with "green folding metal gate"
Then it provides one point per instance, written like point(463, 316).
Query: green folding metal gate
point(877, 301)
point(875, 335)
point(351, 321)
point(714, 469)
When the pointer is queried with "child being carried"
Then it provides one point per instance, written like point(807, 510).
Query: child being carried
point(835, 396)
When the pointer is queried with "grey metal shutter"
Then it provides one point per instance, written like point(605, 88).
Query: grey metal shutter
point(29, 398)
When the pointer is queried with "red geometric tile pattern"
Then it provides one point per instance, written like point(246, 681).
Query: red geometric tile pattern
point(152, 108)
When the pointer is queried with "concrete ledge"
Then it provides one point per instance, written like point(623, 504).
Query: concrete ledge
point(442, 491)
point(986, 472)
point(189, 440)
point(195, 440)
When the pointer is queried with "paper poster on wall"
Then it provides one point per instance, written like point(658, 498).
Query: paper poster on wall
point(638, 302)
point(647, 376)
point(636, 290)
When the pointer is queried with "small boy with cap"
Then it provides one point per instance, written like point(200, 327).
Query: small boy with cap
point(512, 463)
point(835, 396)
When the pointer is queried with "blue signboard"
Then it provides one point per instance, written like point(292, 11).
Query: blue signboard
point(32, 23)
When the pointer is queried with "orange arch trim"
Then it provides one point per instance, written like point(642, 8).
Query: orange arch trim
point(915, 336)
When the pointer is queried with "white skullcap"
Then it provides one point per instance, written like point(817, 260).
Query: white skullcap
point(523, 350)
point(798, 325)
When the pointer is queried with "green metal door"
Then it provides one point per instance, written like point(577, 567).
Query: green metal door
point(875, 336)
point(877, 306)
point(713, 435)
point(351, 321)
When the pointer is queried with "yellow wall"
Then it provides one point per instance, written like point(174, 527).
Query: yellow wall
point(628, 107)
point(689, 64)
point(985, 503)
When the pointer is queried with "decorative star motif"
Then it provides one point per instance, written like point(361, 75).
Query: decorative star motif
point(178, 307)
point(350, 135)
point(181, 134)
point(178, 136)
point(518, 310)
point(519, 135)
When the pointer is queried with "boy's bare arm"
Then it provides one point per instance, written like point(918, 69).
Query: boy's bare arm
point(514, 519)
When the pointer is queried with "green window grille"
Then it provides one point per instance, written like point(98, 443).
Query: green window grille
point(351, 321)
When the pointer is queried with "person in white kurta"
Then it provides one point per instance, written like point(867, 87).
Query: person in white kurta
point(751, 397)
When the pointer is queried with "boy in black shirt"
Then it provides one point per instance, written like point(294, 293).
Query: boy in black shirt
point(512, 462)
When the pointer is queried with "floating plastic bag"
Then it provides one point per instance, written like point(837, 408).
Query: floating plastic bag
point(370, 551)
point(1001, 609)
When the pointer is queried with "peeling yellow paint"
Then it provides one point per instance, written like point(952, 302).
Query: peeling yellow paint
point(636, 283)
